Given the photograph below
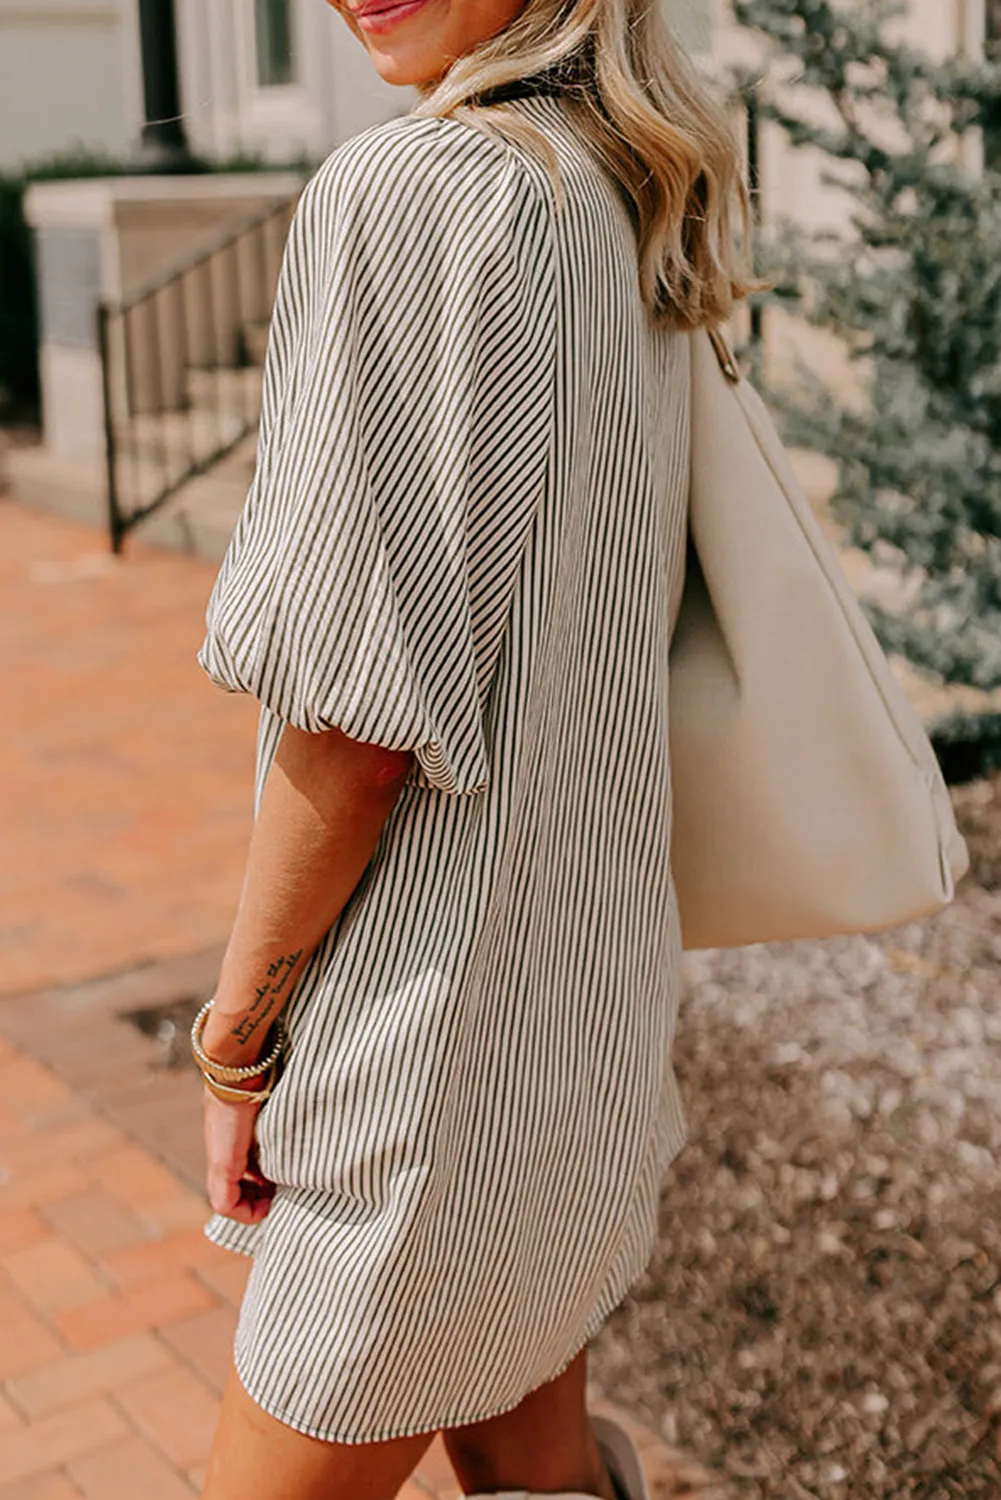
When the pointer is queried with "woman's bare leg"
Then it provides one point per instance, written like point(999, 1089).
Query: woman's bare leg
point(545, 1445)
point(255, 1457)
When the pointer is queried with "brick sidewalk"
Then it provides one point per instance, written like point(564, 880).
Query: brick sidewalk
point(125, 799)
point(125, 775)
point(117, 1313)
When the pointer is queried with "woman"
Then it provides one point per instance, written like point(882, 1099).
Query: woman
point(453, 589)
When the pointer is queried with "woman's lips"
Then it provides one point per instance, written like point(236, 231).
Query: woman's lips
point(379, 17)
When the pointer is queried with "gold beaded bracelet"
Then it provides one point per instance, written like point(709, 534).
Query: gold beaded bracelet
point(221, 1072)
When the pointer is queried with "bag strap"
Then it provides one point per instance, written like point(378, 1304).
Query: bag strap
point(723, 352)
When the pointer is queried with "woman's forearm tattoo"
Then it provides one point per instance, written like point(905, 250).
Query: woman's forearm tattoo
point(267, 995)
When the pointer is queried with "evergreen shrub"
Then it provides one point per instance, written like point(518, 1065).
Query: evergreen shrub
point(911, 282)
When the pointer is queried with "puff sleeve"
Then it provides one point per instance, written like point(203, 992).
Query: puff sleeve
point(405, 440)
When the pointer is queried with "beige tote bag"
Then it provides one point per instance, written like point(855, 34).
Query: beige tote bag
point(807, 798)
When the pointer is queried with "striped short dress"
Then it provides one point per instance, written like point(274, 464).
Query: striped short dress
point(466, 537)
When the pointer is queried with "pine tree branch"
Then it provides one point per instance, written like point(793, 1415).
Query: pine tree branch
point(911, 285)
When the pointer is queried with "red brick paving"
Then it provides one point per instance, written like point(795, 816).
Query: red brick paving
point(125, 794)
point(125, 776)
point(116, 1396)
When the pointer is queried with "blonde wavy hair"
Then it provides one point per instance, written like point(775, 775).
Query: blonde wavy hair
point(649, 120)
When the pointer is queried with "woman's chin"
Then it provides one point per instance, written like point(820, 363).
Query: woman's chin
point(399, 71)
point(407, 66)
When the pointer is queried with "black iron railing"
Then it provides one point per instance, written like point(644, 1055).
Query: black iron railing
point(181, 361)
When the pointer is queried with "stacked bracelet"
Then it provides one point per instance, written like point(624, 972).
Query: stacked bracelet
point(240, 1096)
point(219, 1076)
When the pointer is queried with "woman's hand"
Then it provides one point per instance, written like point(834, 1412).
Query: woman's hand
point(236, 1187)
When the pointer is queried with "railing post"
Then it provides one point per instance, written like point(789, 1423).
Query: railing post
point(116, 521)
point(137, 419)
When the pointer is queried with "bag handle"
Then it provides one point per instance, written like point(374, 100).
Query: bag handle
point(723, 352)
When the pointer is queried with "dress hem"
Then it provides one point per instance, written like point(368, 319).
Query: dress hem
point(221, 1238)
point(604, 1307)
point(421, 1429)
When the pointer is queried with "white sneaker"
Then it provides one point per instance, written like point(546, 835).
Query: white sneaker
point(532, 1495)
point(621, 1458)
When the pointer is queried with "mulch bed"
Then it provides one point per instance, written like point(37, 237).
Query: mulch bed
point(822, 1317)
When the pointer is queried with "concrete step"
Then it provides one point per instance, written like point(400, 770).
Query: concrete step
point(156, 452)
point(72, 485)
point(220, 402)
point(199, 519)
point(241, 462)
point(237, 390)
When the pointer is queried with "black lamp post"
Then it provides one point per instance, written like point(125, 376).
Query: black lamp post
point(163, 147)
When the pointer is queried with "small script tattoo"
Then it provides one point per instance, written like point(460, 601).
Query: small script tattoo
point(267, 995)
point(280, 970)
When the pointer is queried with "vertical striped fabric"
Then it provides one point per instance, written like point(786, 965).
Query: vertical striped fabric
point(466, 537)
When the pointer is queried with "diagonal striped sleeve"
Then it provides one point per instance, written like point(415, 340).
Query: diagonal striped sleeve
point(369, 582)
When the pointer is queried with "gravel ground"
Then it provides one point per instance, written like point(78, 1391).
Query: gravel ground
point(822, 1318)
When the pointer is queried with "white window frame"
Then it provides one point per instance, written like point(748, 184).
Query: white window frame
point(296, 52)
point(279, 115)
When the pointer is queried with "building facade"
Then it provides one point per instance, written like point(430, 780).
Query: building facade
point(285, 79)
point(62, 69)
point(281, 79)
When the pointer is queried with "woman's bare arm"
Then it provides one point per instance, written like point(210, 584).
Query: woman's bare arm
point(325, 802)
point(324, 805)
